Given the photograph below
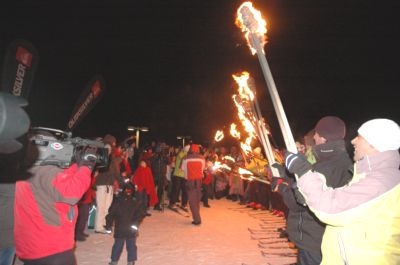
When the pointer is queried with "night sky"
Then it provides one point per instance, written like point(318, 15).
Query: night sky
point(168, 64)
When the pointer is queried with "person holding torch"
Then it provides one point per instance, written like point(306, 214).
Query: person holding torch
point(362, 217)
point(334, 164)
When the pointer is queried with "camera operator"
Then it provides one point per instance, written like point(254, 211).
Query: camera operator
point(46, 209)
point(14, 123)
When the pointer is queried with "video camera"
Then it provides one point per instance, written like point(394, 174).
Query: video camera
point(56, 147)
point(14, 122)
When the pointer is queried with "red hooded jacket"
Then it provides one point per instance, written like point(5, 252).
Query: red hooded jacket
point(46, 211)
point(143, 178)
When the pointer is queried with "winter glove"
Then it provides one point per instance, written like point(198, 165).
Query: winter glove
point(297, 163)
point(281, 169)
point(275, 182)
point(298, 196)
point(86, 156)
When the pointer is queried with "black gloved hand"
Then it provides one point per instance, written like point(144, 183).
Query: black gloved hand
point(298, 196)
point(297, 163)
point(86, 156)
point(281, 169)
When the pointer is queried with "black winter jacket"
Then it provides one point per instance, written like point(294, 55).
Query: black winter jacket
point(124, 212)
point(303, 227)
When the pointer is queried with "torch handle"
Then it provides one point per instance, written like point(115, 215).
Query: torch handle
point(276, 101)
point(263, 137)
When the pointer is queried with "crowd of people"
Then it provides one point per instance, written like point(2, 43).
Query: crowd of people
point(325, 196)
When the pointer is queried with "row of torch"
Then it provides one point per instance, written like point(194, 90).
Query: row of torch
point(251, 22)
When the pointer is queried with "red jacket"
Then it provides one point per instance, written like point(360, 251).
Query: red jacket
point(90, 195)
point(46, 211)
point(143, 178)
point(193, 166)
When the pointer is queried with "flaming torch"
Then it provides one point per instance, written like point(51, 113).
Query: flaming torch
point(234, 132)
point(251, 22)
point(219, 135)
point(250, 114)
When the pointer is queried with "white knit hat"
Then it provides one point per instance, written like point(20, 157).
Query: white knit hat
point(382, 134)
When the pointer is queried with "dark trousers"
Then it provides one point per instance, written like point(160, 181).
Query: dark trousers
point(263, 194)
point(178, 186)
point(305, 257)
point(118, 246)
point(278, 204)
point(194, 195)
point(7, 255)
point(206, 193)
point(83, 217)
point(160, 191)
point(63, 258)
point(250, 193)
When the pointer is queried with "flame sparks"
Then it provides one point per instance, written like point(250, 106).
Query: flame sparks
point(250, 21)
point(219, 135)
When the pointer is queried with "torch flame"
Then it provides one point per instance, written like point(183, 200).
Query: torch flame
point(244, 89)
point(246, 148)
point(217, 165)
point(229, 158)
point(250, 21)
point(243, 171)
point(235, 133)
point(245, 95)
point(219, 135)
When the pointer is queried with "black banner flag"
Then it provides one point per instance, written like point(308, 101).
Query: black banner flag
point(20, 64)
point(89, 97)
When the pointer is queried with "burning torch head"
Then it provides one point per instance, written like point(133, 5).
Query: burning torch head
point(251, 22)
point(247, 17)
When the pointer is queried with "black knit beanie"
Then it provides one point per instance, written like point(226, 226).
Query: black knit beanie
point(331, 128)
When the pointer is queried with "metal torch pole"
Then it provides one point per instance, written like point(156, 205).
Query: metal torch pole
point(263, 136)
point(276, 101)
point(263, 133)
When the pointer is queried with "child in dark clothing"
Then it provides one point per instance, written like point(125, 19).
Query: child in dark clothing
point(126, 212)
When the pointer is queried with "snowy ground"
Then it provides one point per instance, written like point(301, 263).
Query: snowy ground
point(229, 234)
